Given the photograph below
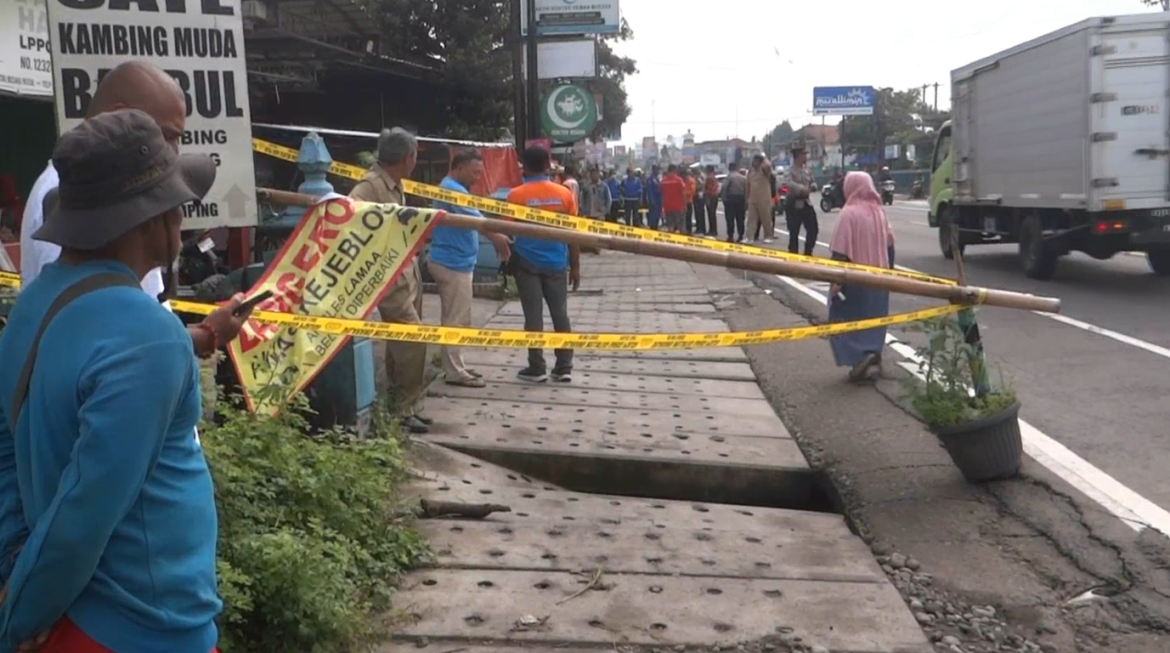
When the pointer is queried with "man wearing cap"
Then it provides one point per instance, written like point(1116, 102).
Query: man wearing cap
point(131, 85)
point(406, 362)
point(100, 403)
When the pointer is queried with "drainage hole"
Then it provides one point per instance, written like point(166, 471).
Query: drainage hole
point(596, 624)
point(505, 531)
point(456, 529)
point(746, 513)
point(486, 583)
point(773, 594)
point(430, 582)
point(549, 556)
point(496, 553)
point(753, 540)
point(473, 620)
point(763, 565)
point(714, 591)
point(653, 536)
point(528, 495)
point(485, 491)
point(555, 533)
point(542, 585)
point(476, 465)
point(658, 627)
point(655, 589)
point(723, 628)
point(697, 508)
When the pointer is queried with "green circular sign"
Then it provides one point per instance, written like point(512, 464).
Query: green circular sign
point(568, 113)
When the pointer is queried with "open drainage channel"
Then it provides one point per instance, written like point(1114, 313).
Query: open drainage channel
point(671, 480)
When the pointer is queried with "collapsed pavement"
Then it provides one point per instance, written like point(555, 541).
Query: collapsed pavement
point(655, 503)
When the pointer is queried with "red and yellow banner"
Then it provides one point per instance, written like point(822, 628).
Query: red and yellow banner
point(340, 261)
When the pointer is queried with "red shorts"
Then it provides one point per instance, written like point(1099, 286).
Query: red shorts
point(68, 638)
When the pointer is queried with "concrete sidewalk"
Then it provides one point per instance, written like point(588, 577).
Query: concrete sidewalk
point(656, 501)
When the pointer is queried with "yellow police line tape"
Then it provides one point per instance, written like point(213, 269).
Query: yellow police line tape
point(586, 225)
point(467, 337)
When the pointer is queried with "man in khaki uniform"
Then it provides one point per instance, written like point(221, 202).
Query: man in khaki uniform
point(759, 200)
point(406, 362)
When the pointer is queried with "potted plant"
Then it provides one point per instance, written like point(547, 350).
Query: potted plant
point(980, 431)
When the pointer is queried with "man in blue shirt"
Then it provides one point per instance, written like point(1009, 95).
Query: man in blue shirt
point(100, 404)
point(452, 260)
point(632, 198)
point(615, 194)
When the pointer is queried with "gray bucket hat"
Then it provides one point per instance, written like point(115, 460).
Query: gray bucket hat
point(117, 171)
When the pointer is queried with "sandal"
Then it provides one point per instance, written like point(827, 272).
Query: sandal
point(472, 382)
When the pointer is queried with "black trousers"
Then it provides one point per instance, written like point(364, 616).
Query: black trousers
point(734, 213)
point(712, 215)
point(537, 288)
point(688, 224)
point(633, 218)
point(701, 215)
point(795, 218)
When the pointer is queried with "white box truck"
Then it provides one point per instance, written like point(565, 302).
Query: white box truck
point(1061, 144)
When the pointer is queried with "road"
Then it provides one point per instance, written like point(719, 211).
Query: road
point(1093, 381)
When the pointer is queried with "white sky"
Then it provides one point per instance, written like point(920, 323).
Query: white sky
point(702, 63)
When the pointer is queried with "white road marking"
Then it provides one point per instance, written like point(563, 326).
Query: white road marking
point(1063, 319)
point(1134, 510)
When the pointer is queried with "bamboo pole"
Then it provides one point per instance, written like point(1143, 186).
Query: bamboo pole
point(955, 294)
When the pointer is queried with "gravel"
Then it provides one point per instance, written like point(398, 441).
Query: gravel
point(951, 625)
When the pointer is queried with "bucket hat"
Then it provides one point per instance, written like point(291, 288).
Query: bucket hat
point(117, 171)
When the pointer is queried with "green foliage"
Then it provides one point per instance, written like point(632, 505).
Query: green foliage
point(780, 135)
point(366, 159)
point(944, 399)
point(470, 42)
point(312, 533)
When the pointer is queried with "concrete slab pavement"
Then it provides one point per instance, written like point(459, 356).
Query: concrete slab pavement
point(653, 500)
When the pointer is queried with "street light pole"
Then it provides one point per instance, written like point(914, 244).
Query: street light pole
point(533, 74)
point(519, 110)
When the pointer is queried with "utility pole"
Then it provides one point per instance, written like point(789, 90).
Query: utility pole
point(936, 83)
point(534, 127)
point(519, 109)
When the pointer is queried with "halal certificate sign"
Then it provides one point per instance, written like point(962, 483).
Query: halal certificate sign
point(568, 113)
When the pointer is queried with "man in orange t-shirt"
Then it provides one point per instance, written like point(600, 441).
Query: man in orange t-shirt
point(674, 199)
point(545, 268)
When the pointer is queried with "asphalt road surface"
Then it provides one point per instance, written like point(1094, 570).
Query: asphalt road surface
point(1094, 381)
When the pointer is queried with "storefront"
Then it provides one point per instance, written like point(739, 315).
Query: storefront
point(27, 124)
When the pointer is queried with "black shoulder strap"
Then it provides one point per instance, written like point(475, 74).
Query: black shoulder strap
point(83, 287)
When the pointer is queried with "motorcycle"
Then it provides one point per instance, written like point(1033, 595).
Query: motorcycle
point(831, 198)
point(916, 189)
point(888, 192)
point(781, 201)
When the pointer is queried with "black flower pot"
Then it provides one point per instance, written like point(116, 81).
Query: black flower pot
point(986, 449)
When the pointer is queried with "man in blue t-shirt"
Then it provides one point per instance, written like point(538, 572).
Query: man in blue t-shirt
point(100, 391)
point(451, 263)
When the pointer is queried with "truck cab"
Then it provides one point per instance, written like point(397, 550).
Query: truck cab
point(941, 193)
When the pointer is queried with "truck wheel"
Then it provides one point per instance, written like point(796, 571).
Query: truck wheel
point(1036, 256)
point(944, 234)
point(1159, 260)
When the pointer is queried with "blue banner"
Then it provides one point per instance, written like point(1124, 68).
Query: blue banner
point(843, 100)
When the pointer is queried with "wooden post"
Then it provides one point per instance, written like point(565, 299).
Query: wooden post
point(801, 270)
point(977, 361)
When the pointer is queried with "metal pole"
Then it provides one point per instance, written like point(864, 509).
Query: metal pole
point(802, 270)
point(936, 83)
point(534, 127)
point(519, 109)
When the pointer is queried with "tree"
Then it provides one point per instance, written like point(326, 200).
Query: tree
point(613, 70)
point(780, 135)
point(469, 41)
point(1165, 4)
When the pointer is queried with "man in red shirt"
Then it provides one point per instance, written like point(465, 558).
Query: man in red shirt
point(674, 199)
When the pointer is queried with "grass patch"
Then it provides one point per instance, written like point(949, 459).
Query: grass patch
point(313, 532)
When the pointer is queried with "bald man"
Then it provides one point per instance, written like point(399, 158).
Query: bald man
point(132, 85)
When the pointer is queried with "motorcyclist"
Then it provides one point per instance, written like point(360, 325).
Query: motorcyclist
point(885, 175)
